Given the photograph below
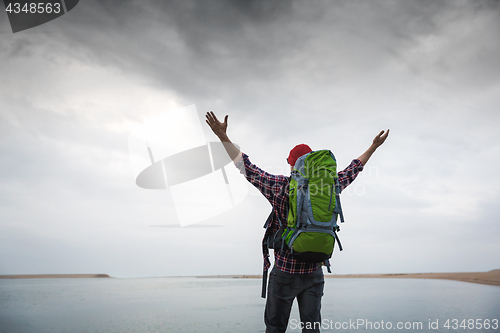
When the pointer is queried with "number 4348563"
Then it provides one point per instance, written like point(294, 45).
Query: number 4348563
point(471, 324)
point(34, 8)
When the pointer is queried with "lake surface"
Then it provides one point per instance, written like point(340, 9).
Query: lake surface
point(234, 305)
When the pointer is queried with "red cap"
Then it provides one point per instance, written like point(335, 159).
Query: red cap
point(296, 152)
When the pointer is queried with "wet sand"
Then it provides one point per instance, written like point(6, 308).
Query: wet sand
point(490, 278)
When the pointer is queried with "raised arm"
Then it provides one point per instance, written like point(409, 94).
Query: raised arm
point(219, 129)
point(268, 184)
point(377, 142)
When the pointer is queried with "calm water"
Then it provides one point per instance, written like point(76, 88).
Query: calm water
point(234, 305)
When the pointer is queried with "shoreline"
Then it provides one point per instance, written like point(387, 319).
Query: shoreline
point(491, 278)
point(55, 276)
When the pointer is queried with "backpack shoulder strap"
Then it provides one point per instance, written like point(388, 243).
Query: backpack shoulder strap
point(269, 219)
point(265, 251)
point(272, 240)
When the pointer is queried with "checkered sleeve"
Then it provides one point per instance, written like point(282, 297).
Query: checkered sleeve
point(268, 184)
point(347, 176)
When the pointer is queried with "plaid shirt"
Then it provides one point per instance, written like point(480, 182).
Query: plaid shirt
point(275, 189)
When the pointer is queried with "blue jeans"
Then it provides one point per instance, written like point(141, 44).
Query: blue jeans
point(283, 288)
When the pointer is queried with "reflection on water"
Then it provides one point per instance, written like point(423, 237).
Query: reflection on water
point(232, 305)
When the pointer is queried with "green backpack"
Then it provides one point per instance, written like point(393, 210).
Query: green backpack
point(314, 206)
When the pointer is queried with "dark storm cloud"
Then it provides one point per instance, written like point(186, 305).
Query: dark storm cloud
point(190, 45)
point(241, 50)
point(180, 44)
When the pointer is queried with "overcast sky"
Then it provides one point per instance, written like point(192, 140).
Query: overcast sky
point(331, 74)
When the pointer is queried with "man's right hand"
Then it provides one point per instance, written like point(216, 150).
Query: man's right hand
point(220, 130)
point(217, 127)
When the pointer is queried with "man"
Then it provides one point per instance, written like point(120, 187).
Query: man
point(289, 278)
